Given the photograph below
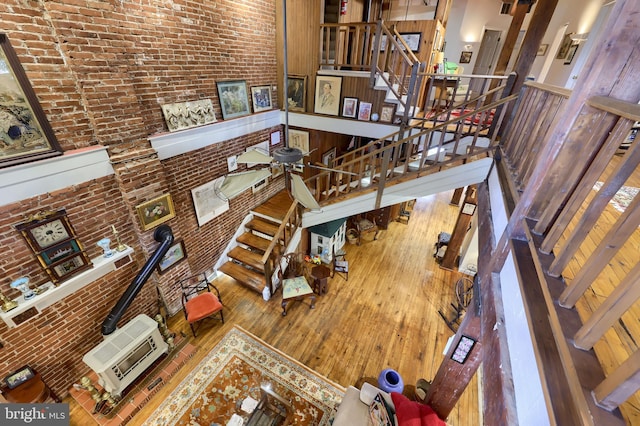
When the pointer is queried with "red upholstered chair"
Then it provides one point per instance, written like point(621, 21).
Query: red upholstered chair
point(198, 301)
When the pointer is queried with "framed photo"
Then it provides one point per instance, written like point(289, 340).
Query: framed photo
point(206, 203)
point(297, 92)
point(261, 98)
point(465, 57)
point(233, 99)
point(19, 376)
point(349, 107)
point(327, 100)
point(564, 47)
point(572, 52)
point(329, 156)
point(30, 135)
point(542, 50)
point(462, 351)
point(299, 139)
point(469, 209)
point(364, 111)
point(176, 254)
point(153, 213)
point(386, 113)
point(412, 40)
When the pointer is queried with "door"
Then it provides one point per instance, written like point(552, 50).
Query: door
point(487, 57)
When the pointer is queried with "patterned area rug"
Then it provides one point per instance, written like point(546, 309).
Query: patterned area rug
point(623, 197)
point(233, 371)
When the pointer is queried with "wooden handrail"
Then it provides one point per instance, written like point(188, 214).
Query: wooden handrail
point(290, 222)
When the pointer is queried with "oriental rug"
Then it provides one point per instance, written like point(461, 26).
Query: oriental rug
point(623, 197)
point(234, 369)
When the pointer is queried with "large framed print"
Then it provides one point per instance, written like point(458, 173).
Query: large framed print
point(327, 100)
point(154, 212)
point(27, 135)
point(206, 203)
point(297, 92)
point(234, 100)
point(176, 254)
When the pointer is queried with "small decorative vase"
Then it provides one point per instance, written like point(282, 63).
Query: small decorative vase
point(390, 381)
point(105, 245)
point(22, 284)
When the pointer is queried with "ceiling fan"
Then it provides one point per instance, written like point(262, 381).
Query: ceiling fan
point(234, 184)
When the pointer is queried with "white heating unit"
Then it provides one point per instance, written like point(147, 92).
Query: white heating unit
point(126, 353)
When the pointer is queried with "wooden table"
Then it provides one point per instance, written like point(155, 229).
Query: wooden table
point(295, 289)
point(320, 274)
point(34, 390)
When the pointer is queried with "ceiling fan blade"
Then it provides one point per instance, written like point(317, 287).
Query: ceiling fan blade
point(234, 185)
point(253, 156)
point(301, 193)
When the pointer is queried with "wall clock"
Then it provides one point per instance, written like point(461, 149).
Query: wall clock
point(53, 241)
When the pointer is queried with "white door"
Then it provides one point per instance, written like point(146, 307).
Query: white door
point(487, 57)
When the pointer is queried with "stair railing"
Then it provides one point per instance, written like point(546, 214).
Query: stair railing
point(288, 227)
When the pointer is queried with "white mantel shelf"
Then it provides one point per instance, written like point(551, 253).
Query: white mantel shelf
point(101, 266)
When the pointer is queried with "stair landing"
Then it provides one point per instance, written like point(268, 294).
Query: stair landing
point(275, 207)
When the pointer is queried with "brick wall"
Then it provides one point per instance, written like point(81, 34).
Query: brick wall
point(101, 71)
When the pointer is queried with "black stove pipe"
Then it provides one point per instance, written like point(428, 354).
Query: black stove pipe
point(164, 236)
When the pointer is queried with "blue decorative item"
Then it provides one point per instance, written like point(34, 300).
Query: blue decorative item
point(22, 284)
point(390, 381)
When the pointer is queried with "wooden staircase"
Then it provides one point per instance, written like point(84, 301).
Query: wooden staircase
point(245, 263)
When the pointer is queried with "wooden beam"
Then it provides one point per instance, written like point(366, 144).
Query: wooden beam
point(449, 261)
point(620, 384)
point(511, 38)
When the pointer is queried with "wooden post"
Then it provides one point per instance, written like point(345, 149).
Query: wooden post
point(457, 195)
point(460, 229)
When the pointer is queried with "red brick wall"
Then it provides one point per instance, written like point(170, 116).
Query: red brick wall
point(101, 71)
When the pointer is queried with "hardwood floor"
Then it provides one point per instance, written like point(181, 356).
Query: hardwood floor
point(385, 315)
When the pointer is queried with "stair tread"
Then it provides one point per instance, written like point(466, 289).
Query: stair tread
point(251, 258)
point(254, 241)
point(253, 280)
point(263, 226)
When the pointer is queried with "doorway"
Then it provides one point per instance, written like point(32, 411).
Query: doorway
point(487, 55)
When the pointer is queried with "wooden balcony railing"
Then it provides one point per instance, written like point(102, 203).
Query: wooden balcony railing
point(583, 268)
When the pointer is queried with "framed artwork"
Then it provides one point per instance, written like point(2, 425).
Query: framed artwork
point(176, 254)
point(261, 98)
point(329, 156)
point(412, 40)
point(564, 47)
point(299, 139)
point(233, 98)
point(386, 113)
point(60, 251)
point(571, 54)
point(364, 111)
point(465, 57)
point(468, 208)
point(19, 376)
point(327, 100)
point(297, 92)
point(542, 50)
point(462, 351)
point(184, 115)
point(153, 213)
point(27, 135)
point(349, 107)
point(206, 203)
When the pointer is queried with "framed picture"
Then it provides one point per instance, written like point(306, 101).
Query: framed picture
point(233, 99)
point(19, 376)
point(364, 111)
point(462, 351)
point(261, 98)
point(297, 92)
point(412, 40)
point(206, 203)
point(465, 57)
point(327, 100)
point(329, 156)
point(174, 255)
point(469, 209)
point(30, 136)
point(564, 47)
point(153, 213)
point(542, 50)
point(299, 139)
point(386, 113)
point(184, 115)
point(60, 251)
point(572, 53)
point(349, 107)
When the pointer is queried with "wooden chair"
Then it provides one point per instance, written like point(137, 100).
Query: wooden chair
point(198, 301)
point(340, 264)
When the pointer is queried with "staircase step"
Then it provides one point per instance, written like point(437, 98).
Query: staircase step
point(263, 226)
point(253, 280)
point(254, 241)
point(247, 257)
point(380, 83)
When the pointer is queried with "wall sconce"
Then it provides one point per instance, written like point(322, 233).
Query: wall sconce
point(579, 38)
point(468, 47)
